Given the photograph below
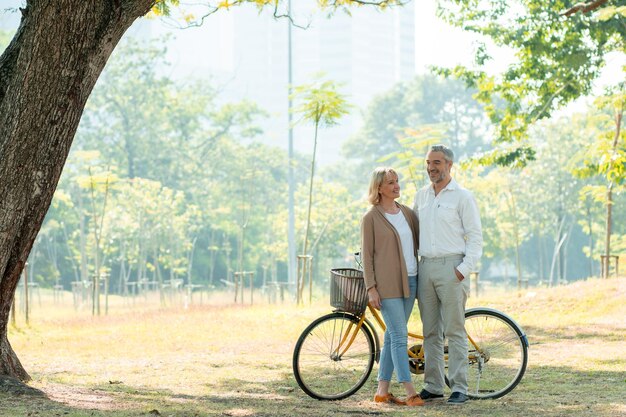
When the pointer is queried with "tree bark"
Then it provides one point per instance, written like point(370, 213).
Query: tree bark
point(46, 75)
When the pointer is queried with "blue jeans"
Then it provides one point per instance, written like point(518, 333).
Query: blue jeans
point(396, 312)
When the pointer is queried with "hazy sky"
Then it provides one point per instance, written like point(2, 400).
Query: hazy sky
point(440, 44)
point(436, 43)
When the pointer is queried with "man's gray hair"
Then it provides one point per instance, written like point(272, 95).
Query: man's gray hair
point(447, 152)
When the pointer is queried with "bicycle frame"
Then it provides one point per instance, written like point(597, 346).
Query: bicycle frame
point(344, 344)
point(350, 335)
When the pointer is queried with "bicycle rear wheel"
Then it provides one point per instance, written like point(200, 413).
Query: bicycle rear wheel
point(498, 353)
point(326, 365)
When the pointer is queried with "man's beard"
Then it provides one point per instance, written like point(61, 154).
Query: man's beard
point(438, 178)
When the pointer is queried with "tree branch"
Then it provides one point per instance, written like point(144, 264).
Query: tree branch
point(583, 7)
point(549, 102)
point(288, 16)
point(280, 15)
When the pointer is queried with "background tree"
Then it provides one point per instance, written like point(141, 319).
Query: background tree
point(334, 225)
point(322, 105)
point(127, 114)
point(427, 100)
point(606, 157)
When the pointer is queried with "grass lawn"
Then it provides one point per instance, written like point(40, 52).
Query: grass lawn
point(220, 359)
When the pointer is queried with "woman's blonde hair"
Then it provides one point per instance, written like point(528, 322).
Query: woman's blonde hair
point(378, 176)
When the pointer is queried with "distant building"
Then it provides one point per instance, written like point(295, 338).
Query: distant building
point(367, 52)
point(247, 52)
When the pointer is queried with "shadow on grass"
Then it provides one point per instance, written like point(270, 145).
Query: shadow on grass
point(545, 391)
point(236, 397)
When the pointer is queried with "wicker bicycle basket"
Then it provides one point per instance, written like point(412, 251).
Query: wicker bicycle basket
point(347, 290)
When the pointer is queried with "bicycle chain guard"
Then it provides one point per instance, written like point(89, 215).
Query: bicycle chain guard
point(416, 365)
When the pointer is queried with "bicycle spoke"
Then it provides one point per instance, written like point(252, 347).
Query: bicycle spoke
point(498, 359)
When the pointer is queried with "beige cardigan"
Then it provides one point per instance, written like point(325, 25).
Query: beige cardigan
point(383, 263)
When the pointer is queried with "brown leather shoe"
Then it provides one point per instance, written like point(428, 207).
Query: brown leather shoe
point(389, 399)
point(414, 401)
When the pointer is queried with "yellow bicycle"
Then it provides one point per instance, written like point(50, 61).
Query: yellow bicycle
point(335, 354)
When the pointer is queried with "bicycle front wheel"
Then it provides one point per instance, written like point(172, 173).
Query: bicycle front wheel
point(333, 357)
point(498, 353)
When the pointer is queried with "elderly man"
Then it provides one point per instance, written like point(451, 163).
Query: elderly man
point(450, 239)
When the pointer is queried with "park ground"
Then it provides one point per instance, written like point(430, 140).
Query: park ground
point(223, 359)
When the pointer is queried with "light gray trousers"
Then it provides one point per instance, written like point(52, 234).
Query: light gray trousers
point(441, 299)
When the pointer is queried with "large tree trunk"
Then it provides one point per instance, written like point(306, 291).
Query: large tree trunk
point(46, 75)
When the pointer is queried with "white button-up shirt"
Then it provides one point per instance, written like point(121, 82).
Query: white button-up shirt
point(449, 224)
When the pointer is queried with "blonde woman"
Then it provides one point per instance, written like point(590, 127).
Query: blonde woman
point(389, 243)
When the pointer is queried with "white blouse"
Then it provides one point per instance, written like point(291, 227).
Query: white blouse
point(398, 221)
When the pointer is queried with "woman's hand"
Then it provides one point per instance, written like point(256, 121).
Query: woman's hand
point(374, 298)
